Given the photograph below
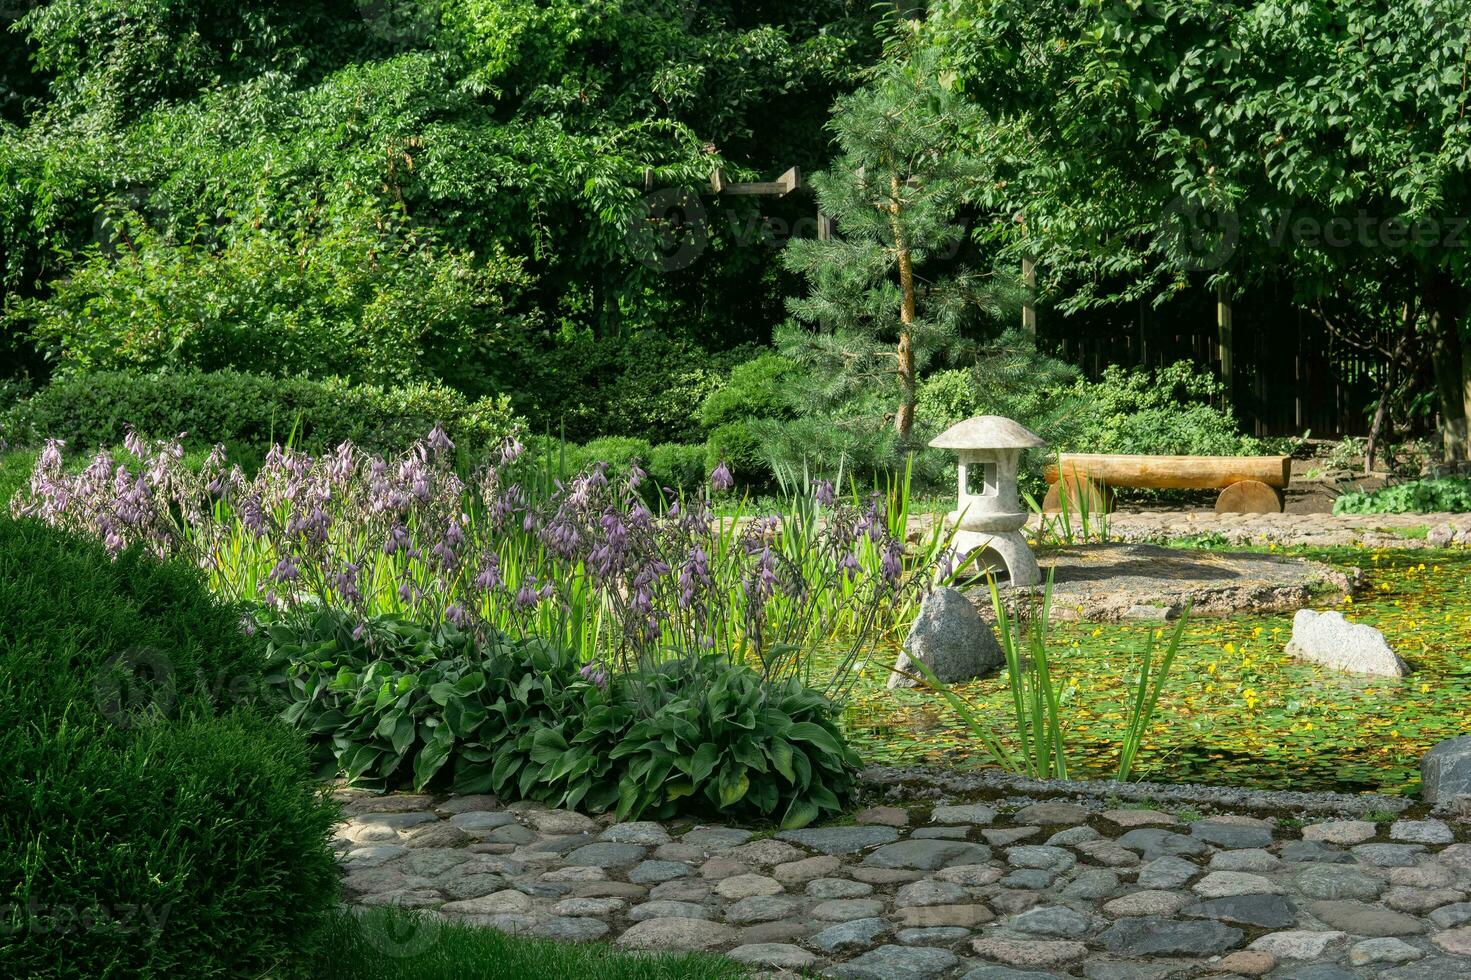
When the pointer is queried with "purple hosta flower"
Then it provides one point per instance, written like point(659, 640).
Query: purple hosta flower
point(947, 564)
point(358, 631)
point(594, 675)
point(511, 450)
point(134, 443)
point(721, 479)
point(253, 515)
point(892, 563)
point(694, 577)
point(531, 522)
point(456, 614)
point(341, 465)
point(285, 571)
point(397, 540)
point(848, 565)
point(346, 583)
point(113, 542)
point(405, 591)
point(561, 538)
point(489, 576)
point(527, 596)
point(503, 505)
point(824, 492)
point(635, 477)
point(413, 474)
point(311, 525)
point(438, 440)
point(247, 624)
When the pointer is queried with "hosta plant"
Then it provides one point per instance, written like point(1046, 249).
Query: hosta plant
point(389, 702)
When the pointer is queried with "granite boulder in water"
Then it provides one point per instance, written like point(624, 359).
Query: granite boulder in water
point(951, 638)
point(1327, 638)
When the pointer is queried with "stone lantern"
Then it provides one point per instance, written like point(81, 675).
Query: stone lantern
point(989, 515)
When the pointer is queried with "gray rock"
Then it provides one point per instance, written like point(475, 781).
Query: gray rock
point(473, 886)
point(761, 908)
point(645, 832)
point(1092, 883)
point(1327, 638)
point(1152, 842)
point(1363, 919)
point(898, 963)
point(606, 854)
point(951, 639)
point(975, 813)
point(569, 930)
point(840, 840)
point(1099, 969)
point(656, 872)
point(928, 891)
point(780, 956)
point(1386, 950)
point(1073, 836)
point(1435, 968)
point(1340, 831)
point(927, 855)
point(1230, 835)
point(1445, 770)
point(1246, 859)
point(511, 833)
point(1335, 881)
point(1051, 921)
point(1296, 944)
point(847, 909)
point(1154, 936)
point(991, 971)
point(668, 910)
point(676, 934)
point(837, 888)
point(578, 907)
point(956, 832)
point(1006, 836)
point(1266, 911)
point(1422, 832)
point(1040, 856)
point(1451, 916)
point(849, 935)
point(1316, 971)
point(681, 890)
point(1224, 884)
point(932, 936)
point(1051, 813)
point(1389, 855)
point(480, 822)
point(1034, 879)
point(1166, 872)
point(1148, 902)
point(1314, 852)
point(716, 838)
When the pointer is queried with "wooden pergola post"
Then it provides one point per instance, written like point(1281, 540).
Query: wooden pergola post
point(1029, 298)
point(1226, 344)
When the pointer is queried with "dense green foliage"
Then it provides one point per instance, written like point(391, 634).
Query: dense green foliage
point(421, 946)
point(394, 703)
point(155, 821)
point(1432, 496)
point(250, 411)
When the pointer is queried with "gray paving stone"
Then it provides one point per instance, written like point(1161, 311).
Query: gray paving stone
point(1316, 971)
point(1385, 950)
point(847, 909)
point(716, 838)
point(1092, 883)
point(898, 963)
point(1230, 835)
point(1315, 852)
point(840, 840)
point(676, 934)
point(669, 910)
point(1051, 813)
point(1264, 911)
point(1363, 919)
point(1335, 881)
point(958, 832)
point(1154, 842)
point(972, 813)
point(1033, 879)
point(761, 908)
point(1040, 856)
point(481, 821)
point(780, 956)
point(992, 971)
point(1245, 859)
point(605, 854)
point(928, 891)
point(1389, 855)
point(849, 935)
point(1451, 916)
point(927, 855)
point(656, 872)
point(1422, 832)
point(569, 929)
point(1056, 920)
point(1155, 936)
point(838, 888)
point(932, 935)
point(1167, 872)
point(1433, 968)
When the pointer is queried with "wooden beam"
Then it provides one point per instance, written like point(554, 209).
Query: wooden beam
point(781, 187)
point(1226, 341)
point(1029, 297)
point(1172, 472)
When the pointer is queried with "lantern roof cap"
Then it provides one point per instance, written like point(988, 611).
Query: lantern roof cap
point(987, 432)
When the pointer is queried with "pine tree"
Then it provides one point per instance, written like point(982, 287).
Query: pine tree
point(892, 289)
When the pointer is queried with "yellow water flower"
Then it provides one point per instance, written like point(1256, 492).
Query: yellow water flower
point(1210, 668)
point(1229, 647)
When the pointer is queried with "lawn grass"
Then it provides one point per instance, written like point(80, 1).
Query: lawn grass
point(397, 944)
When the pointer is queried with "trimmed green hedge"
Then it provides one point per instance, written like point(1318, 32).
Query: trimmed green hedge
point(154, 819)
point(250, 410)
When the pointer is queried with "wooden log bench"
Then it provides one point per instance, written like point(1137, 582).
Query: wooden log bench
point(1248, 484)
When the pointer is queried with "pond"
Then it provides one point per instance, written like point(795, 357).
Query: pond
point(1237, 710)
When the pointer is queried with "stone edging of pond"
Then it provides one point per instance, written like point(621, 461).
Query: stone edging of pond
point(955, 876)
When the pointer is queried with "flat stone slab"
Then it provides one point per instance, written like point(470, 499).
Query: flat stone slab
point(1113, 582)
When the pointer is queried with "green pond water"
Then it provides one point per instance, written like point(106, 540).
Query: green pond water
point(1236, 710)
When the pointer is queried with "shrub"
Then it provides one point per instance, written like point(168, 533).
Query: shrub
point(251, 410)
point(1430, 496)
point(141, 833)
point(743, 450)
point(677, 467)
point(525, 719)
point(757, 389)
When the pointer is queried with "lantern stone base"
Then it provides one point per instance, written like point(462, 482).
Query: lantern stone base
point(1007, 548)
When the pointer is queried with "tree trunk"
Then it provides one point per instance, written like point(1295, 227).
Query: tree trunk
point(1452, 373)
point(1378, 428)
point(904, 418)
